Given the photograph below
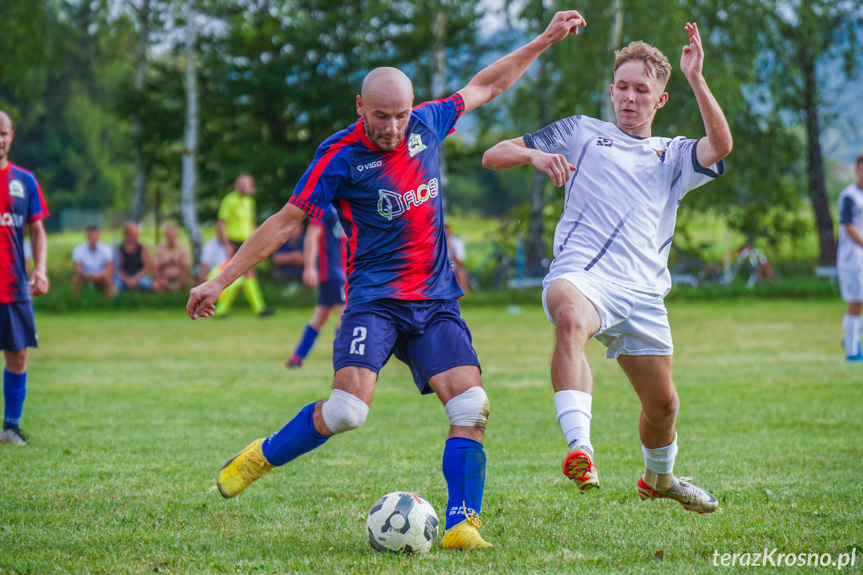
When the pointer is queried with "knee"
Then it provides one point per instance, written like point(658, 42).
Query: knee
point(663, 409)
point(469, 408)
point(569, 325)
point(344, 412)
point(16, 361)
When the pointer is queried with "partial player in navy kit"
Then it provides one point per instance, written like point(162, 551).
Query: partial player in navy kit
point(21, 204)
point(324, 269)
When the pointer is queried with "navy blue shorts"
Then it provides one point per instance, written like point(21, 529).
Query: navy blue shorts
point(428, 336)
point(17, 326)
point(331, 293)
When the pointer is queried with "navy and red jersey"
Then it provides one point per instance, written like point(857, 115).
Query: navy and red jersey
point(390, 206)
point(21, 203)
point(331, 248)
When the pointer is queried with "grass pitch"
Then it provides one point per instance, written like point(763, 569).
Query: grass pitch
point(131, 414)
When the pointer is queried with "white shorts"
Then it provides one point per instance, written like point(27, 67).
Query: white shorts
point(850, 283)
point(633, 323)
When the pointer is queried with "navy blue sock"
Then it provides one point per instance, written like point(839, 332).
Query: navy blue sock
point(306, 343)
point(464, 471)
point(297, 437)
point(14, 392)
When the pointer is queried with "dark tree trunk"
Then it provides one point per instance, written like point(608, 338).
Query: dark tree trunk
point(815, 164)
point(142, 169)
point(535, 244)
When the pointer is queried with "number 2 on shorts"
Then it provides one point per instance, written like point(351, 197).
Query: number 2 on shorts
point(357, 347)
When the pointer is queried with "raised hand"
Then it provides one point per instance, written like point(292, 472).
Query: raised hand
point(563, 24)
point(692, 59)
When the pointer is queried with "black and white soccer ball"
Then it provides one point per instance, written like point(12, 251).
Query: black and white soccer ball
point(402, 522)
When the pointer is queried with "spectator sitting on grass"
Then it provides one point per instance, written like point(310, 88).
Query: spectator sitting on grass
point(94, 263)
point(133, 262)
point(172, 263)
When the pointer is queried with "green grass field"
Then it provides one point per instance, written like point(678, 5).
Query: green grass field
point(130, 414)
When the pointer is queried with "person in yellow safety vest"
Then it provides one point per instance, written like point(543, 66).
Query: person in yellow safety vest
point(236, 222)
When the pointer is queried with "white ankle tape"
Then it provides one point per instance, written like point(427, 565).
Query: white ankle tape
point(343, 411)
point(469, 409)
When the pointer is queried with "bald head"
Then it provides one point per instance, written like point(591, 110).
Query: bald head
point(7, 134)
point(385, 105)
point(245, 184)
point(387, 83)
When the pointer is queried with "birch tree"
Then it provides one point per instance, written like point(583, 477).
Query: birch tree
point(190, 132)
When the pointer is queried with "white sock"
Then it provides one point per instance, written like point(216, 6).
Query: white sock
point(573, 414)
point(851, 325)
point(661, 459)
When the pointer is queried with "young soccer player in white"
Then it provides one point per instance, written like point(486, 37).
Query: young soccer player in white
point(849, 262)
point(610, 274)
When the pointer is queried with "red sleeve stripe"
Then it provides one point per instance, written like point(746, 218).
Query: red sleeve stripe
point(351, 240)
point(307, 206)
point(321, 164)
point(459, 103)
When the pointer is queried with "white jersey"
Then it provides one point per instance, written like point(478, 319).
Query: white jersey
point(849, 253)
point(92, 261)
point(213, 253)
point(621, 204)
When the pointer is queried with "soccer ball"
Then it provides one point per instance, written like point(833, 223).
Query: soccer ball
point(402, 522)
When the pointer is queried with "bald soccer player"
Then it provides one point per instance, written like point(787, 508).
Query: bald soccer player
point(382, 175)
point(21, 204)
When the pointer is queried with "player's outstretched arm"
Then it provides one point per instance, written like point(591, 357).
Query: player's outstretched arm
point(263, 242)
point(497, 78)
point(511, 153)
point(718, 142)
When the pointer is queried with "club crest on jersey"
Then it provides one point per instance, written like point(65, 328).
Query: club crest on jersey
point(392, 204)
point(415, 145)
point(661, 155)
point(603, 141)
point(16, 189)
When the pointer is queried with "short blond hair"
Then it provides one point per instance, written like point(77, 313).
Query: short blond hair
point(655, 63)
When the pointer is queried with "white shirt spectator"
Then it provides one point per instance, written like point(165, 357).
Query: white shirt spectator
point(92, 261)
point(213, 253)
point(457, 247)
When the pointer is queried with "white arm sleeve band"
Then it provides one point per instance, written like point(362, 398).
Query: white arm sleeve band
point(343, 411)
point(469, 409)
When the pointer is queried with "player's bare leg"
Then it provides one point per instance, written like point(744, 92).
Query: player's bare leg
point(650, 376)
point(460, 390)
point(575, 322)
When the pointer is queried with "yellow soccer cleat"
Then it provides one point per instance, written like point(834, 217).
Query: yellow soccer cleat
point(579, 467)
point(242, 470)
point(465, 535)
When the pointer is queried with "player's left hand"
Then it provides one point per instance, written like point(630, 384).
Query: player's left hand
point(39, 284)
point(310, 277)
point(202, 300)
point(692, 59)
point(563, 24)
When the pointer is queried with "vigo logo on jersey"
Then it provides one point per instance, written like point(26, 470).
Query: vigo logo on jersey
point(13, 220)
point(392, 205)
point(370, 165)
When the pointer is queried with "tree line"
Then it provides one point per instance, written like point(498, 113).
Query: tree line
point(101, 93)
